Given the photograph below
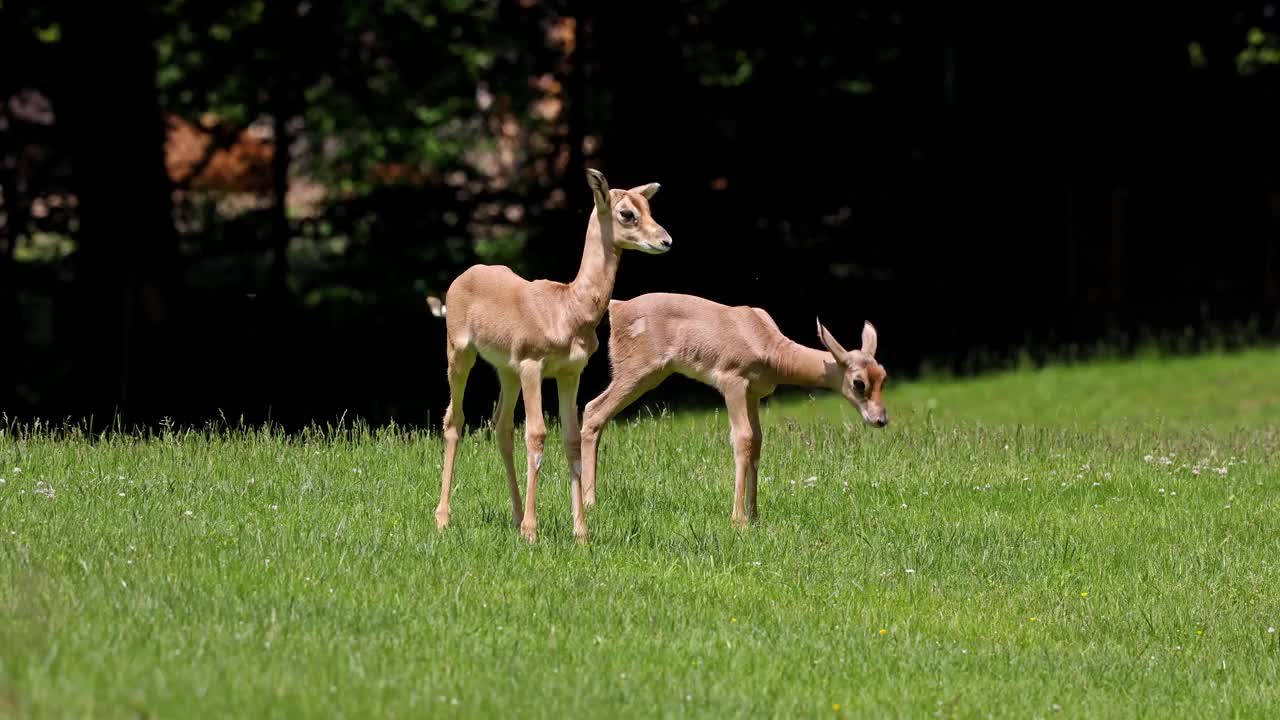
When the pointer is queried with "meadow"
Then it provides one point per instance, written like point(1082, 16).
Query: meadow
point(1092, 541)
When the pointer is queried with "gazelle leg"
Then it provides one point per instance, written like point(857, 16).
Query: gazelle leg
point(615, 398)
point(568, 390)
point(741, 437)
point(460, 362)
point(753, 476)
point(504, 428)
point(535, 435)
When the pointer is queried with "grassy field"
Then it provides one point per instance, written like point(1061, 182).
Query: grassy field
point(1098, 541)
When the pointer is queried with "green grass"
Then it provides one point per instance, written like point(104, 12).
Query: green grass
point(1006, 548)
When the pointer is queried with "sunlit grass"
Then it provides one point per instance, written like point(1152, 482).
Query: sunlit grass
point(1100, 541)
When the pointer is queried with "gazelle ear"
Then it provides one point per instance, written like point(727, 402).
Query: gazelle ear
point(869, 339)
point(830, 343)
point(599, 189)
point(648, 191)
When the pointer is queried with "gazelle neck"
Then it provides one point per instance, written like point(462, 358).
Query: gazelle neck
point(796, 364)
point(593, 287)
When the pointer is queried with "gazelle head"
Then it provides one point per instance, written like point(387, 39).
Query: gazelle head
point(628, 212)
point(862, 378)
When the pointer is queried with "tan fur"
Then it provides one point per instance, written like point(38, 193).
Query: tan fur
point(739, 351)
point(530, 330)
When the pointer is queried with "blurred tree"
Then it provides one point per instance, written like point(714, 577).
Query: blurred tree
point(258, 194)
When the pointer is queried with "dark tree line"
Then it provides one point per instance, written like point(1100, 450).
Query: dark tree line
point(239, 207)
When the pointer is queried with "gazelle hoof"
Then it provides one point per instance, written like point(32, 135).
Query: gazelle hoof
point(740, 523)
point(581, 537)
point(442, 519)
point(529, 532)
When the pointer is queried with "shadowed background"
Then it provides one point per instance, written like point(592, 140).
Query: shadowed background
point(239, 207)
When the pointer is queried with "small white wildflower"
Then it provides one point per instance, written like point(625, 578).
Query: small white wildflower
point(275, 507)
point(124, 584)
point(1173, 492)
point(1271, 631)
point(188, 513)
point(1147, 458)
point(357, 470)
point(1221, 471)
point(1097, 484)
point(1, 481)
point(1161, 491)
point(17, 471)
point(904, 506)
point(1056, 707)
point(121, 493)
point(252, 481)
point(910, 571)
point(1106, 475)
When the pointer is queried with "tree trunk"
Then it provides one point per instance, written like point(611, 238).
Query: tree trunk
point(1271, 237)
point(280, 229)
point(283, 14)
point(10, 330)
point(575, 85)
point(126, 245)
point(1119, 270)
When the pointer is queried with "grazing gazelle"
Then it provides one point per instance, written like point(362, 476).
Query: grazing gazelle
point(737, 350)
point(530, 330)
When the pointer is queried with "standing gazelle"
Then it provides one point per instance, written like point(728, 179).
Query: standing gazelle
point(530, 330)
point(737, 350)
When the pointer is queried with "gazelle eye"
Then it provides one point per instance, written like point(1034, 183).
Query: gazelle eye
point(627, 216)
point(860, 386)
